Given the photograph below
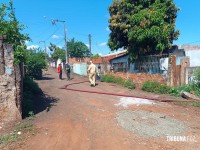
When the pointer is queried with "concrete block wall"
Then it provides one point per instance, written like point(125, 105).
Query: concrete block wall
point(10, 85)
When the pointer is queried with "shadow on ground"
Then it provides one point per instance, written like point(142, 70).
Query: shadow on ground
point(44, 102)
point(46, 78)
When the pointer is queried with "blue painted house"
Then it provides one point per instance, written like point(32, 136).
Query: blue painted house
point(120, 64)
point(152, 64)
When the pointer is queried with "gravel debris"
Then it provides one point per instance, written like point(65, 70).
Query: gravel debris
point(126, 101)
point(150, 124)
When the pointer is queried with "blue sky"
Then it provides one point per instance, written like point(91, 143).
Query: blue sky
point(84, 17)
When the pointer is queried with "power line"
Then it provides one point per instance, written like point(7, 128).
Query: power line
point(59, 42)
point(38, 35)
point(65, 39)
point(52, 34)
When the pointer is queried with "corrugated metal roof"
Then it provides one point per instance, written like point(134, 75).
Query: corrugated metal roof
point(115, 53)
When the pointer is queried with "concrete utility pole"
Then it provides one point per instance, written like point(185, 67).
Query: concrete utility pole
point(45, 49)
point(90, 47)
point(65, 39)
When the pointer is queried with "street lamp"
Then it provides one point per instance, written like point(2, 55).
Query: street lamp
point(53, 22)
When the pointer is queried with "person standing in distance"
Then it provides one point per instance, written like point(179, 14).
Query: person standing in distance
point(98, 72)
point(92, 74)
point(99, 68)
point(68, 71)
point(60, 71)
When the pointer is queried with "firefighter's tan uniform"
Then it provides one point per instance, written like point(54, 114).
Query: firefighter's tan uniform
point(92, 73)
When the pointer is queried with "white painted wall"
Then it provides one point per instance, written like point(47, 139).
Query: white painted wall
point(80, 69)
point(53, 64)
point(164, 63)
point(194, 57)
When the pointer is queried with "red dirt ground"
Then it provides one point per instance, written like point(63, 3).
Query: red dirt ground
point(82, 121)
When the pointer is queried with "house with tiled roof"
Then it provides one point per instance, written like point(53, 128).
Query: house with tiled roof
point(104, 61)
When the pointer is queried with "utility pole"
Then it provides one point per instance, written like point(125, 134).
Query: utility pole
point(90, 46)
point(65, 39)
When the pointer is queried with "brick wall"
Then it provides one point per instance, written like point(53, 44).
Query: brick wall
point(79, 60)
point(140, 78)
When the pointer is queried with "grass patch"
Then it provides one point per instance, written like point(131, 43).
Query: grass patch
point(118, 80)
point(155, 87)
point(17, 133)
point(23, 127)
point(196, 104)
point(176, 91)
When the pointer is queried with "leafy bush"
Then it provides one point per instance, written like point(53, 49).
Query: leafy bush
point(164, 89)
point(176, 91)
point(112, 79)
point(119, 80)
point(197, 78)
point(30, 88)
point(12, 28)
point(35, 62)
point(129, 84)
point(150, 86)
point(108, 78)
point(155, 87)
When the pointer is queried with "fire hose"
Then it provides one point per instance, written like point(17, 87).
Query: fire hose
point(121, 95)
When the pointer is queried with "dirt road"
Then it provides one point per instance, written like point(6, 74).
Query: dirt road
point(83, 121)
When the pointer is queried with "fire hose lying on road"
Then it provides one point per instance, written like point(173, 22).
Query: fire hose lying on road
point(122, 95)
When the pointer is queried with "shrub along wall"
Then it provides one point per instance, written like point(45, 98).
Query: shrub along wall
point(140, 78)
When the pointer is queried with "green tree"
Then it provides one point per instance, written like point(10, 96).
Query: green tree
point(58, 53)
point(142, 26)
point(77, 49)
point(52, 47)
point(35, 61)
point(11, 27)
point(96, 56)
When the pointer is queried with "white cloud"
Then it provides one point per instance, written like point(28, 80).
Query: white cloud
point(47, 48)
point(26, 42)
point(103, 44)
point(87, 45)
point(55, 37)
point(32, 46)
